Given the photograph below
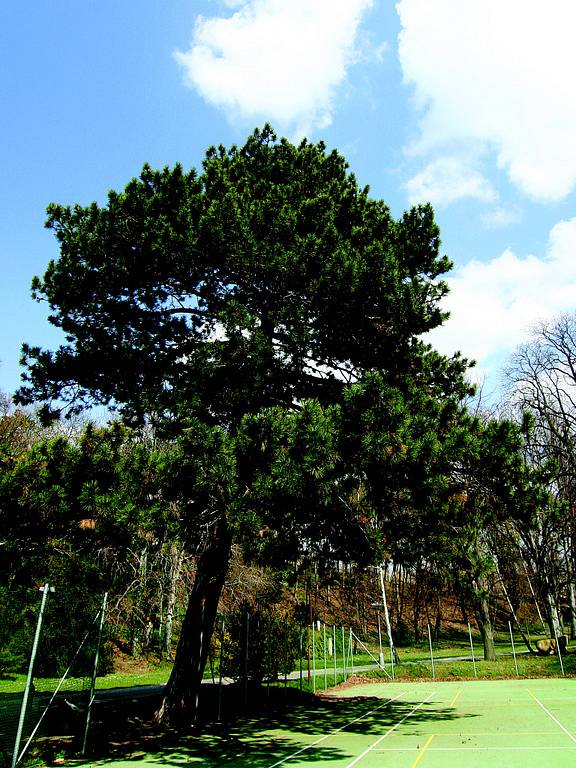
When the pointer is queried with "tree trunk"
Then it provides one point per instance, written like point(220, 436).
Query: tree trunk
point(572, 600)
point(176, 556)
point(416, 607)
point(182, 691)
point(552, 613)
point(485, 627)
point(438, 620)
point(139, 613)
point(568, 551)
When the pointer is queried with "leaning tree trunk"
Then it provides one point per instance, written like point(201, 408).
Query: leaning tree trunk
point(568, 550)
point(182, 691)
point(482, 612)
point(553, 617)
point(176, 557)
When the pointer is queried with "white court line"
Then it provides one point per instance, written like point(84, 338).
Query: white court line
point(558, 723)
point(389, 731)
point(470, 749)
point(337, 730)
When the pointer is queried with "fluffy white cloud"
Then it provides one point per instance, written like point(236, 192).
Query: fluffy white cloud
point(494, 304)
point(498, 72)
point(447, 179)
point(277, 60)
point(500, 216)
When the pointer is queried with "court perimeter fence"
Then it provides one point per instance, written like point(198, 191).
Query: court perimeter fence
point(252, 650)
point(29, 714)
point(313, 658)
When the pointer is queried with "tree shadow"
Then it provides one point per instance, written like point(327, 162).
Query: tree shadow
point(246, 737)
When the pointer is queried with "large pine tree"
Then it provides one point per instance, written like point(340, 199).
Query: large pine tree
point(246, 311)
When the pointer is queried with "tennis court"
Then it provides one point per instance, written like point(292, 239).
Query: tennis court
point(470, 723)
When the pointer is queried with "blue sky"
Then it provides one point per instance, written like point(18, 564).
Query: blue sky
point(468, 105)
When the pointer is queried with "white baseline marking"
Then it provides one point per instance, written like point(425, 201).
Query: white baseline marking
point(558, 723)
point(470, 749)
point(389, 731)
point(337, 730)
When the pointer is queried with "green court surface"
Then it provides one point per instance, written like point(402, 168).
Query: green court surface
point(504, 723)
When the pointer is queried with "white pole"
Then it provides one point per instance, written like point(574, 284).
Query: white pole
point(335, 655)
point(431, 654)
point(381, 655)
point(301, 653)
point(387, 618)
point(558, 649)
point(314, 656)
point(325, 658)
point(533, 593)
point(351, 651)
point(344, 655)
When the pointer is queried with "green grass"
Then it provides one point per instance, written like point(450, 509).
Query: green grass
point(157, 675)
point(410, 668)
point(414, 664)
point(528, 667)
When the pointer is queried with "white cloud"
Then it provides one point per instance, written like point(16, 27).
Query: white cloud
point(498, 72)
point(494, 304)
point(447, 179)
point(499, 216)
point(276, 60)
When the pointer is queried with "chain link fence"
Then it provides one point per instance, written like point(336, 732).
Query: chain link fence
point(56, 681)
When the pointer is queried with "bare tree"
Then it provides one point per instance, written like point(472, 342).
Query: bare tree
point(542, 380)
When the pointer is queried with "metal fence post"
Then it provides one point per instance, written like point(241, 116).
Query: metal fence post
point(94, 673)
point(220, 673)
point(513, 648)
point(246, 655)
point(15, 757)
point(335, 655)
point(431, 652)
point(472, 649)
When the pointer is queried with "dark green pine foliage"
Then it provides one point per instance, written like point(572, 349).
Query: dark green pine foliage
point(259, 313)
point(70, 514)
point(268, 278)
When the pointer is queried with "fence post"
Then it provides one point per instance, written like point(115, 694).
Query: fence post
point(558, 651)
point(381, 654)
point(15, 757)
point(351, 651)
point(513, 648)
point(301, 652)
point(472, 649)
point(431, 653)
point(325, 659)
point(220, 673)
point(314, 657)
point(94, 673)
point(335, 655)
point(387, 618)
point(246, 654)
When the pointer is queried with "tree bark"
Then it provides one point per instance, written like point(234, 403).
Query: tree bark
point(572, 601)
point(416, 611)
point(180, 703)
point(485, 627)
point(176, 556)
point(438, 620)
point(552, 613)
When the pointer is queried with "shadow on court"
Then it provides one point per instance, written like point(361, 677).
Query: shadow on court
point(271, 731)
